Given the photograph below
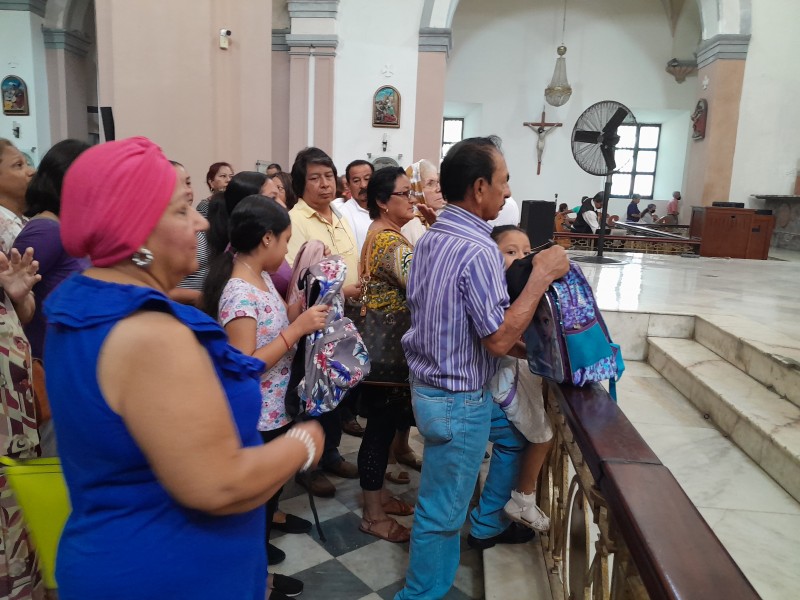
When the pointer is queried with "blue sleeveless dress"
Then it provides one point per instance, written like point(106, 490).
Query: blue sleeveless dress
point(126, 537)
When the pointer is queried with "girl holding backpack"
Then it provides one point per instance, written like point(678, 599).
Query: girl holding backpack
point(241, 295)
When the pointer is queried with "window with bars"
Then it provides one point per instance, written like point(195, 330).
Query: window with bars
point(452, 133)
point(637, 156)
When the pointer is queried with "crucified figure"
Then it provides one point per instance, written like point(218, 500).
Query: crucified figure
point(542, 130)
point(541, 133)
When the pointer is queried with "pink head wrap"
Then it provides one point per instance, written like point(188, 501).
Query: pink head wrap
point(112, 198)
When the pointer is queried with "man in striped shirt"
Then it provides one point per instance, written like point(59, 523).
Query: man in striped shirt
point(460, 322)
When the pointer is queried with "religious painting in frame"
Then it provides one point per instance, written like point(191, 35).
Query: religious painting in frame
point(386, 107)
point(15, 96)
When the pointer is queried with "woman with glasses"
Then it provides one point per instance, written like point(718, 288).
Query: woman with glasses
point(386, 260)
point(427, 193)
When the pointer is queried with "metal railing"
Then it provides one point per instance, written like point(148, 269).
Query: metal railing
point(628, 243)
point(621, 526)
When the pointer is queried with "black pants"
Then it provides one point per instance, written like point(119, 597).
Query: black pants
point(388, 409)
point(272, 503)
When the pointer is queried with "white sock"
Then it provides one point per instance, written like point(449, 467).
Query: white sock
point(523, 500)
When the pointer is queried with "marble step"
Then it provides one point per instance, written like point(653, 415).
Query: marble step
point(762, 423)
point(770, 357)
point(516, 571)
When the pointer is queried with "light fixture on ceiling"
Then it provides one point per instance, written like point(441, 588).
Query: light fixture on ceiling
point(680, 69)
point(559, 90)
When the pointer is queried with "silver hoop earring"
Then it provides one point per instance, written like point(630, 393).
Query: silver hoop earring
point(142, 258)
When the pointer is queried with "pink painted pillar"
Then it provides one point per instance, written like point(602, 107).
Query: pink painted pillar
point(431, 72)
point(299, 94)
point(434, 50)
point(324, 71)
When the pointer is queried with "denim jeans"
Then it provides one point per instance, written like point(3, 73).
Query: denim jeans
point(456, 427)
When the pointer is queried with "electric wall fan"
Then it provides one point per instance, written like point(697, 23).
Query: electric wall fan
point(594, 144)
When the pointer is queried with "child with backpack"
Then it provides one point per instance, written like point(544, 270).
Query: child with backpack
point(519, 393)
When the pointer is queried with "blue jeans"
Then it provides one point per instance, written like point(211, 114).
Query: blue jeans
point(456, 427)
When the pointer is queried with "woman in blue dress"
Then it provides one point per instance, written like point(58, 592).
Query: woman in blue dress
point(154, 411)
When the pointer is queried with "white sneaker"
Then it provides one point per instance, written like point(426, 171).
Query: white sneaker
point(529, 515)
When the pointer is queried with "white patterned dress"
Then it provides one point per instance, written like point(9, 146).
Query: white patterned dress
point(241, 299)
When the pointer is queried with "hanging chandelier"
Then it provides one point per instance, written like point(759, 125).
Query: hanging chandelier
point(559, 90)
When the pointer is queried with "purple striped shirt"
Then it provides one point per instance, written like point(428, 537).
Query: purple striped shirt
point(457, 295)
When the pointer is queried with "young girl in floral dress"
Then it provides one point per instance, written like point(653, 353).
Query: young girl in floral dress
point(241, 295)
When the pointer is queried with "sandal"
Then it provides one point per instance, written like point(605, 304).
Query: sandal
point(398, 477)
point(395, 506)
point(410, 459)
point(397, 534)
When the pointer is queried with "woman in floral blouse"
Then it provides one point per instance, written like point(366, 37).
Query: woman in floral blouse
point(240, 294)
point(385, 263)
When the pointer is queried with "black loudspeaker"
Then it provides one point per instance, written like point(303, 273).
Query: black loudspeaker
point(538, 220)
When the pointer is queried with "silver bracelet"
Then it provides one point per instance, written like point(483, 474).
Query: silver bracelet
point(308, 442)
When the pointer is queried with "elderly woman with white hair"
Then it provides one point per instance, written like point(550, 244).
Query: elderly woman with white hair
point(424, 177)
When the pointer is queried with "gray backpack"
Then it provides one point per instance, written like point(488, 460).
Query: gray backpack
point(331, 361)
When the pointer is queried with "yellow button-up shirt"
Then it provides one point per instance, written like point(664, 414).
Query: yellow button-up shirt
point(308, 224)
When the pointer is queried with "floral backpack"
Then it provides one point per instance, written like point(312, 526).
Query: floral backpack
point(567, 340)
point(331, 361)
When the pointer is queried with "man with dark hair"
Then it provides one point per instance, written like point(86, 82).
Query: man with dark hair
point(633, 214)
point(273, 169)
point(587, 220)
point(459, 327)
point(313, 218)
point(354, 210)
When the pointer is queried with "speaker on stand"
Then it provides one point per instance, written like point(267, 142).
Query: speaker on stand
point(538, 220)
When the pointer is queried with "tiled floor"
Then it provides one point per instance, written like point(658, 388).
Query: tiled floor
point(352, 565)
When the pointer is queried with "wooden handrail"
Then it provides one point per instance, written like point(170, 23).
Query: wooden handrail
point(677, 554)
point(624, 238)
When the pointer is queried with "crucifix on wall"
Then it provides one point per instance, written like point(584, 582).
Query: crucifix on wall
point(542, 129)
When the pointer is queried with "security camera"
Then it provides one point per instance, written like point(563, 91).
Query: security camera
point(224, 42)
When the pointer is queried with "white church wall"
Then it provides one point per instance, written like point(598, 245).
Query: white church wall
point(688, 31)
point(768, 138)
point(503, 58)
point(374, 34)
point(22, 46)
point(676, 129)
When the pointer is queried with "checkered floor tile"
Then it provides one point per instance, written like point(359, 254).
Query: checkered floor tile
point(351, 565)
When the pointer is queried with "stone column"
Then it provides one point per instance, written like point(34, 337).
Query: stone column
point(68, 82)
point(312, 46)
point(434, 50)
point(721, 62)
point(280, 99)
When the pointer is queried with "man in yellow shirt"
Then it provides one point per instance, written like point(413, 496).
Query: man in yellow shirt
point(313, 218)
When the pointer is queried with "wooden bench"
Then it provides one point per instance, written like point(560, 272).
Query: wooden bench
point(676, 553)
